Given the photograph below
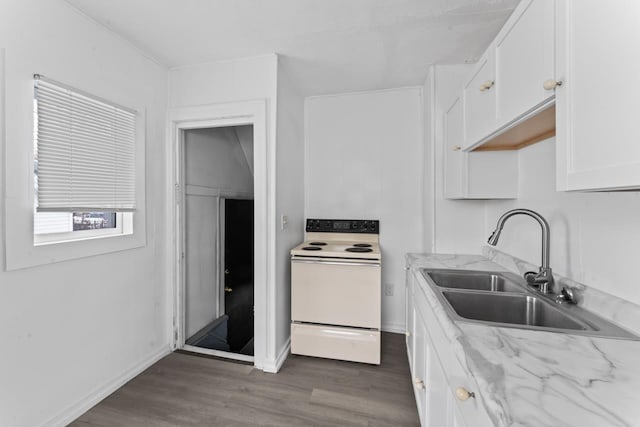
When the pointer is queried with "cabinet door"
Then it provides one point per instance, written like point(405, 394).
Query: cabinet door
point(597, 60)
point(454, 157)
point(436, 411)
point(454, 415)
point(480, 101)
point(409, 317)
point(420, 366)
point(524, 60)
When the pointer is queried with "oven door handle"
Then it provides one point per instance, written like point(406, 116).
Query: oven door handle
point(318, 261)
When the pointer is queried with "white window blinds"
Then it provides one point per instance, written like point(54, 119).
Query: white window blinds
point(85, 151)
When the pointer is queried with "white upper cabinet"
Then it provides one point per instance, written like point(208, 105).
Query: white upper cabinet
point(477, 175)
point(479, 96)
point(524, 60)
point(511, 82)
point(598, 62)
point(454, 157)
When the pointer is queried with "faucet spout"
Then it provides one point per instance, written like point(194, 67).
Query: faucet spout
point(544, 278)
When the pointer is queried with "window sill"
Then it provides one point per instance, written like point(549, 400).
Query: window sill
point(42, 254)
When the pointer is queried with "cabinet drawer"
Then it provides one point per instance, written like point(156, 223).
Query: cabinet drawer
point(356, 345)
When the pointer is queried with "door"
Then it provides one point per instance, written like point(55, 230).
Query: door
point(597, 103)
point(238, 271)
point(480, 101)
point(524, 61)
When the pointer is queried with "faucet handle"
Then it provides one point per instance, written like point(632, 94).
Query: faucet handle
point(566, 295)
point(530, 277)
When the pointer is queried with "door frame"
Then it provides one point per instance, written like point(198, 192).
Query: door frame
point(222, 115)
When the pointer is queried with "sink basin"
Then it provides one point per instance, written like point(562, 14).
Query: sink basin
point(474, 280)
point(514, 309)
point(500, 298)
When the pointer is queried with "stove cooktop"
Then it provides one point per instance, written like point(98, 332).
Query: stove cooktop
point(338, 249)
point(338, 238)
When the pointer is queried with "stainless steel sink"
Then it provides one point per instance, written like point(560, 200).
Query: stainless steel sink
point(514, 309)
point(475, 280)
point(498, 298)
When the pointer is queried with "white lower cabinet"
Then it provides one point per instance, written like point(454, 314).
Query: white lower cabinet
point(439, 381)
point(419, 377)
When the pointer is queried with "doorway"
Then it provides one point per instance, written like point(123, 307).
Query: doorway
point(218, 241)
point(238, 274)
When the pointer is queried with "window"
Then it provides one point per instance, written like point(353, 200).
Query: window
point(84, 165)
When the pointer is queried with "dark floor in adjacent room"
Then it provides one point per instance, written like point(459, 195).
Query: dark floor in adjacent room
point(187, 390)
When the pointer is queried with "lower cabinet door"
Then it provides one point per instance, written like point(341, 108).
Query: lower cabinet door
point(420, 380)
point(409, 319)
point(437, 390)
point(455, 416)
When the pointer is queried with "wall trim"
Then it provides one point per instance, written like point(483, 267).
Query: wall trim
point(394, 328)
point(273, 366)
point(74, 411)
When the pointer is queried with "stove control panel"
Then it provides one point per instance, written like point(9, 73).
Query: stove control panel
point(343, 226)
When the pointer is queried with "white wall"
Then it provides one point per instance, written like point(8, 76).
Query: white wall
point(71, 330)
point(215, 165)
point(364, 161)
point(458, 223)
point(290, 192)
point(428, 160)
point(594, 236)
point(215, 158)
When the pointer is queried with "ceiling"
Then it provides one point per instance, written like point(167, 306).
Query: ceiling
point(327, 46)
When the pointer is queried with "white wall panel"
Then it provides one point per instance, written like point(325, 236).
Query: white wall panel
point(290, 193)
point(364, 161)
point(72, 330)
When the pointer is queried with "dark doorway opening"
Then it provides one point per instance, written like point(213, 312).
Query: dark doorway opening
point(238, 273)
point(233, 331)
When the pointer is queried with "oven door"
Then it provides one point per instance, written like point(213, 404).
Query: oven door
point(336, 292)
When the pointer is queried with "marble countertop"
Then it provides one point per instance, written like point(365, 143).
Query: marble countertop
point(538, 378)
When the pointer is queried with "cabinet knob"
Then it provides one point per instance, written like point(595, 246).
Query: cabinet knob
point(408, 333)
point(551, 84)
point(463, 394)
point(419, 383)
point(486, 85)
point(457, 148)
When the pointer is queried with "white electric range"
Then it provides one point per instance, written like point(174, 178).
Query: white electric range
point(336, 291)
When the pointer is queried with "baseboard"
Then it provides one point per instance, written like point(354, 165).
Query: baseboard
point(273, 366)
point(396, 328)
point(69, 414)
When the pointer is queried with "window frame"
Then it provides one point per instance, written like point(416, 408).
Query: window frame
point(20, 248)
point(124, 225)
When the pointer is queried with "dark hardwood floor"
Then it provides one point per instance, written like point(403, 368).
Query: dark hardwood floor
point(188, 390)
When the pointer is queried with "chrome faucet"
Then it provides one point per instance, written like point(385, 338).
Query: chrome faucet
point(544, 277)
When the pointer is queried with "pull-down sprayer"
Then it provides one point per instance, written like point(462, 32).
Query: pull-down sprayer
point(544, 278)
